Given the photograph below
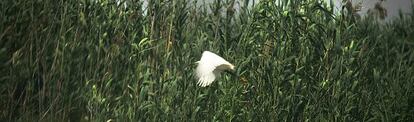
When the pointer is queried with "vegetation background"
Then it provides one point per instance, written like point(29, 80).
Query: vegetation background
point(102, 60)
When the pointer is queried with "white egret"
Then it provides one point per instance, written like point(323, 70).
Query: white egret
point(209, 67)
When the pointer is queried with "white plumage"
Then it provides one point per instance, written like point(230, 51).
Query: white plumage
point(209, 67)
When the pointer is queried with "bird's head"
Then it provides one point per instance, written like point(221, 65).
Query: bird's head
point(229, 68)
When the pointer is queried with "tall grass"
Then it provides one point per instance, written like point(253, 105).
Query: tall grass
point(100, 60)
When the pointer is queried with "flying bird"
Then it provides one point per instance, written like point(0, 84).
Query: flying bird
point(209, 67)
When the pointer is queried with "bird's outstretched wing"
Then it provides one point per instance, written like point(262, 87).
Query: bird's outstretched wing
point(205, 74)
point(213, 59)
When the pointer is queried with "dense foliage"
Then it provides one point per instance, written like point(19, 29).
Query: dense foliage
point(101, 60)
